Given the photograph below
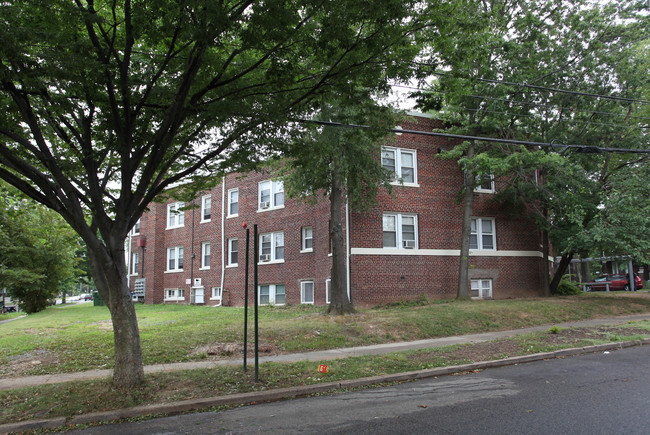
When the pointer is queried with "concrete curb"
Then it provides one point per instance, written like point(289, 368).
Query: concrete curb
point(292, 392)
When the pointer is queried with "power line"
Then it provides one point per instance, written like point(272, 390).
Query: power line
point(578, 148)
point(565, 120)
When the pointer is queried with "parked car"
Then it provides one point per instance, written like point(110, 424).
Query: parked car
point(87, 297)
point(7, 308)
point(616, 282)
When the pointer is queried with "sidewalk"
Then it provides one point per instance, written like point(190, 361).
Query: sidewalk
point(323, 355)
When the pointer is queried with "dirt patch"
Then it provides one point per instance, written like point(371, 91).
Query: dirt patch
point(104, 325)
point(22, 364)
point(575, 335)
point(513, 347)
point(216, 351)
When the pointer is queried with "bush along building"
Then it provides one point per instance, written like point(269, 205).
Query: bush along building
point(405, 247)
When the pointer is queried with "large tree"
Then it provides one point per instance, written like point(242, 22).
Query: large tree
point(504, 61)
point(37, 251)
point(106, 104)
point(344, 165)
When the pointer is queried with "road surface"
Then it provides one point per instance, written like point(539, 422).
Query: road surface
point(602, 393)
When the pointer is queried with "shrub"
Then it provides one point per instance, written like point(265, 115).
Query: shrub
point(567, 287)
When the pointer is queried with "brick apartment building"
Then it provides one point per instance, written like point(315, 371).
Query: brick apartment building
point(406, 246)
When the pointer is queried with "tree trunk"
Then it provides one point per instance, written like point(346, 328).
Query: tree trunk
point(339, 300)
point(468, 205)
point(546, 251)
point(109, 272)
point(561, 270)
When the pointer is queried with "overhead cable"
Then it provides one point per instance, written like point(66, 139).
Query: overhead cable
point(578, 148)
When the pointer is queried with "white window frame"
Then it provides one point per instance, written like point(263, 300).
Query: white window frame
point(216, 294)
point(275, 239)
point(304, 238)
point(304, 286)
point(178, 257)
point(206, 250)
point(398, 154)
point(482, 287)
point(231, 201)
point(480, 187)
point(230, 251)
point(135, 262)
point(276, 191)
point(400, 240)
point(479, 234)
point(273, 293)
point(174, 294)
point(136, 227)
point(205, 200)
point(328, 288)
point(175, 216)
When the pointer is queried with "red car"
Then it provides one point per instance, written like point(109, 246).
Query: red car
point(616, 282)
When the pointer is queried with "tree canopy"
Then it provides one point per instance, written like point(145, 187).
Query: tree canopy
point(342, 164)
point(108, 103)
point(37, 251)
point(534, 70)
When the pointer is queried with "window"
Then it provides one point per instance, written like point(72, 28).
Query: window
point(216, 293)
point(271, 195)
point(400, 231)
point(402, 162)
point(307, 292)
point(175, 216)
point(136, 228)
point(174, 294)
point(307, 239)
point(233, 251)
point(175, 259)
point(484, 184)
point(271, 295)
point(206, 208)
point(481, 288)
point(482, 236)
point(233, 202)
point(328, 285)
point(272, 247)
point(205, 255)
point(134, 263)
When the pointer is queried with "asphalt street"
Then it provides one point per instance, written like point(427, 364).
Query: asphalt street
point(598, 393)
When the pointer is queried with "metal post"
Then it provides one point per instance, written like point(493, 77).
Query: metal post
point(256, 293)
point(246, 301)
point(630, 275)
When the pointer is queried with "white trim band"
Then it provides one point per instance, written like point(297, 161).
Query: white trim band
point(443, 252)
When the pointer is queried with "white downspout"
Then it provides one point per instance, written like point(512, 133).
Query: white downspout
point(347, 244)
point(128, 262)
point(223, 236)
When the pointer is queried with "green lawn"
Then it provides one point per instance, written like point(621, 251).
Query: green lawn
point(79, 337)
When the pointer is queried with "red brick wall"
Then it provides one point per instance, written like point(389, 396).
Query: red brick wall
point(381, 278)
point(374, 278)
point(308, 266)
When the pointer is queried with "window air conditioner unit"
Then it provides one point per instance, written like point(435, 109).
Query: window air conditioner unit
point(409, 244)
point(265, 257)
point(265, 204)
